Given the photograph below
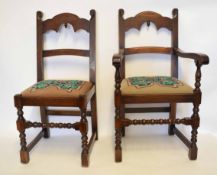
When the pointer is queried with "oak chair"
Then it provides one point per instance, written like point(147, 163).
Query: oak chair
point(61, 93)
point(158, 89)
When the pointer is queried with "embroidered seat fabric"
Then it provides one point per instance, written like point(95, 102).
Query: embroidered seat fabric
point(58, 88)
point(68, 85)
point(154, 85)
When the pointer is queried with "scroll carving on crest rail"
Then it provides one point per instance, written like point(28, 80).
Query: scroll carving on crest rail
point(66, 18)
point(148, 16)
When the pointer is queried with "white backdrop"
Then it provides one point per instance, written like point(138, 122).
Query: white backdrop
point(197, 32)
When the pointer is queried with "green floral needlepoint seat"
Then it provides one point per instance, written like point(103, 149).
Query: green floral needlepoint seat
point(159, 80)
point(68, 85)
point(154, 85)
point(58, 88)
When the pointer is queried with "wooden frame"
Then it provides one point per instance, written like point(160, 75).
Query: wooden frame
point(120, 100)
point(80, 102)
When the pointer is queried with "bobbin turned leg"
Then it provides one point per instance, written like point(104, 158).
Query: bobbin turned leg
point(195, 119)
point(84, 139)
point(24, 154)
point(195, 124)
point(118, 149)
point(119, 109)
point(118, 133)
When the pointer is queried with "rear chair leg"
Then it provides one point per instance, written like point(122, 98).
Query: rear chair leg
point(24, 154)
point(195, 124)
point(45, 119)
point(172, 116)
point(84, 139)
point(94, 115)
point(171, 129)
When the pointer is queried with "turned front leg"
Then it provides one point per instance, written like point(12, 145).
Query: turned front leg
point(195, 117)
point(21, 126)
point(118, 109)
point(118, 133)
point(195, 124)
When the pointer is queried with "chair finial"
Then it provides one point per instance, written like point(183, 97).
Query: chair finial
point(92, 12)
point(175, 12)
point(39, 14)
point(121, 12)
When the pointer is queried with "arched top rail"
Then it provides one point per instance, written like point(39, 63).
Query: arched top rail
point(147, 16)
point(66, 18)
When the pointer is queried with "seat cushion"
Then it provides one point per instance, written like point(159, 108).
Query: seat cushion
point(154, 85)
point(58, 88)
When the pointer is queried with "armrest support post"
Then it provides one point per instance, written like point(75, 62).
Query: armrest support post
point(200, 59)
point(117, 62)
point(197, 79)
point(117, 79)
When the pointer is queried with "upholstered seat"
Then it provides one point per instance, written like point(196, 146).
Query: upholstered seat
point(58, 88)
point(154, 85)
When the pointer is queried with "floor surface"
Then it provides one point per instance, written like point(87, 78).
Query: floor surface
point(144, 154)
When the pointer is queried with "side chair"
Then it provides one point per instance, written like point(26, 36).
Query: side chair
point(61, 93)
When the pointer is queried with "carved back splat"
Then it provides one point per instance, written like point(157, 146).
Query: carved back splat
point(147, 16)
point(160, 22)
point(64, 18)
point(54, 24)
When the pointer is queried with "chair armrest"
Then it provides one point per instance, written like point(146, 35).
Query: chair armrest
point(117, 59)
point(199, 58)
